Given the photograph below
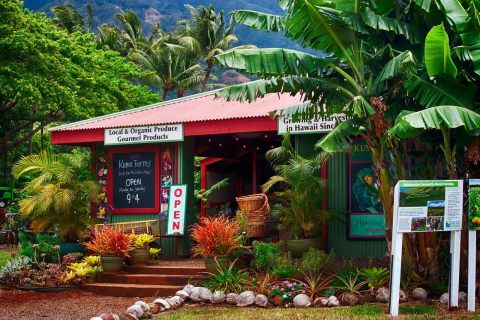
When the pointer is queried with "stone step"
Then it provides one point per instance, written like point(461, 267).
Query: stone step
point(164, 270)
point(151, 279)
point(131, 290)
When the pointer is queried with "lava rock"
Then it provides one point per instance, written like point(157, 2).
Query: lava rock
point(136, 311)
point(144, 305)
point(419, 294)
point(383, 294)
point(200, 294)
point(302, 301)
point(462, 297)
point(261, 300)
point(218, 297)
point(277, 300)
point(182, 294)
point(154, 309)
point(349, 299)
point(245, 299)
point(332, 301)
point(402, 296)
point(444, 298)
point(232, 298)
point(162, 304)
point(147, 315)
point(320, 302)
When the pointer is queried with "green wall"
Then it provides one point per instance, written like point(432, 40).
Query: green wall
point(338, 199)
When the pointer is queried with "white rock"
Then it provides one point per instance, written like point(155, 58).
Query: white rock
point(245, 299)
point(144, 305)
point(174, 304)
point(96, 318)
point(419, 294)
point(232, 298)
point(136, 311)
point(261, 300)
point(444, 298)
point(200, 294)
point(332, 301)
point(218, 297)
point(302, 301)
point(188, 288)
point(162, 304)
point(401, 295)
point(320, 302)
point(182, 294)
point(109, 316)
point(462, 297)
point(383, 294)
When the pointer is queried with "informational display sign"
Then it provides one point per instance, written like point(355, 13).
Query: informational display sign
point(474, 204)
point(430, 205)
point(366, 220)
point(142, 135)
point(134, 180)
point(323, 123)
point(176, 210)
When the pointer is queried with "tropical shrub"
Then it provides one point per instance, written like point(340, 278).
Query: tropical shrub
point(262, 282)
point(215, 236)
point(228, 279)
point(317, 283)
point(315, 261)
point(110, 242)
point(45, 247)
point(350, 283)
point(142, 240)
point(13, 270)
point(154, 253)
point(268, 257)
point(288, 289)
point(375, 277)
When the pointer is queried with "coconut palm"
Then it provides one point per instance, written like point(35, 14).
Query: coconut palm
point(69, 18)
point(59, 192)
point(209, 35)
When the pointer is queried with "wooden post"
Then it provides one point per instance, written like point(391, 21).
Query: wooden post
point(472, 269)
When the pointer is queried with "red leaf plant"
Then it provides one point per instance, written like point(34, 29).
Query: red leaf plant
point(215, 236)
point(110, 242)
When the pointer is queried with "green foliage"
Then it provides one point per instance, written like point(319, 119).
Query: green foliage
point(268, 257)
point(42, 250)
point(228, 279)
point(417, 310)
point(4, 258)
point(366, 310)
point(375, 277)
point(314, 261)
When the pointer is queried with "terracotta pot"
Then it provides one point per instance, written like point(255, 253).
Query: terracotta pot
point(298, 247)
point(139, 256)
point(212, 264)
point(112, 263)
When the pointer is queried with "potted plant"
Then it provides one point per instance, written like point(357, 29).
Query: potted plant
point(216, 238)
point(59, 193)
point(299, 203)
point(140, 254)
point(112, 246)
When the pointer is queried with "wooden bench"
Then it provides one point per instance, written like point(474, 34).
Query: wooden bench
point(151, 227)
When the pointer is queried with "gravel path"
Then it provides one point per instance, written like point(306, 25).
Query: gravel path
point(73, 304)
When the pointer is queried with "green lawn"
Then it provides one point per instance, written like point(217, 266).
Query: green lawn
point(368, 311)
point(4, 257)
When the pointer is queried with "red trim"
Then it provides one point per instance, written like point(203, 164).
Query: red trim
point(254, 172)
point(203, 179)
point(258, 124)
point(110, 191)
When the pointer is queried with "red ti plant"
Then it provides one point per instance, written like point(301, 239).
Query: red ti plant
point(110, 242)
point(215, 236)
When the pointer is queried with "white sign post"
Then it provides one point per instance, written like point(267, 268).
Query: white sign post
point(176, 209)
point(474, 225)
point(426, 206)
point(141, 135)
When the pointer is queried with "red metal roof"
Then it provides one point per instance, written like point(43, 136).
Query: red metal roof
point(201, 107)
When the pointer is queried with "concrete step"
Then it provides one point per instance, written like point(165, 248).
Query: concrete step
point(164, 270)
point(131, 290)
point(151, 279)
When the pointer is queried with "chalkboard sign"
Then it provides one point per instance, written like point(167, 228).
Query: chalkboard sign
point(134, 180)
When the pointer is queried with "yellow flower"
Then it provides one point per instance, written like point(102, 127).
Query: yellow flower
point(476, 221)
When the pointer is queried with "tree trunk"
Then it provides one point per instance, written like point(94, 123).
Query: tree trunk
point(207, 75)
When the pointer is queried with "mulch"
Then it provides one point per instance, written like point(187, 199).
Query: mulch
point(72, 304)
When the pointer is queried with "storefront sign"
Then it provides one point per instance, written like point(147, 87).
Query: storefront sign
point(176, 210)
point(474, 204)
point(141, 135)
point(134, 186)
point(430, 205)
point(366, 219)
point(323, 123)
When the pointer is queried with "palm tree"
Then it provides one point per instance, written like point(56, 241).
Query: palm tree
point(210, 35)
point(68, 17)
point(59, 192)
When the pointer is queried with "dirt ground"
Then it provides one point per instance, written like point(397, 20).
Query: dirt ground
point(73, 304)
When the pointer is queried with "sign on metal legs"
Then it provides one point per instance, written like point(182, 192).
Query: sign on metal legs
point(426, 206)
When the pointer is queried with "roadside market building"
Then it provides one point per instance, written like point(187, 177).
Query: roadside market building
point(141, 152)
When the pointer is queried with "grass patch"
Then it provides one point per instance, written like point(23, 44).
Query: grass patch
point(417, 310)
point(4, 257)
point(366, 310)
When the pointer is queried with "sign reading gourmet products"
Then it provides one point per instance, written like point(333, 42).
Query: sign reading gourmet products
point(134, 180)
point(176, 209)
point(140, 135)
point(323, 123)
point(429, 205)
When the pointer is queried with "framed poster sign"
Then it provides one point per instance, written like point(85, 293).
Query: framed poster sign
point(134, 182)
point(365, 219)
point(474, 204)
